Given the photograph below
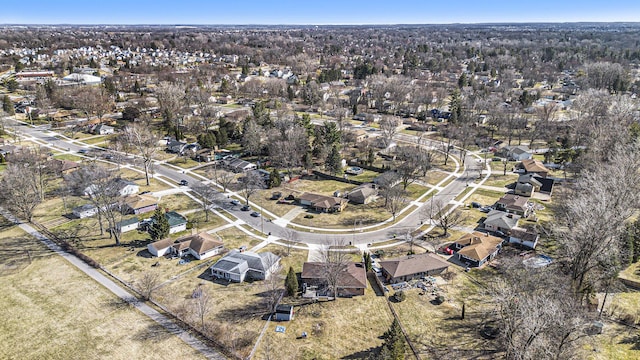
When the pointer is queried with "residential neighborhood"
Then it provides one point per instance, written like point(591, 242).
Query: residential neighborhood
point(320, 192)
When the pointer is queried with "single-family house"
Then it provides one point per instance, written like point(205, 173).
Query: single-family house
point(62, 167)
point(139, 204)
point(534, 166)
point(122, 186)
point(477, 248)
point(412, 267)
point(497, 220)
point(238, 165)
point(128, 225)
point(177, 222)
point(161, 247)
point(237, 266)
point(363, 194)
point(175, 146)
point(524, 236)
point(85, 211)
point(201, 246)
point(322, 203)
point(515, 204)
point(351, 280)
point(527, 184)
point(284, 313)
point(102, 129)
point(517, 153)
point(205, 155)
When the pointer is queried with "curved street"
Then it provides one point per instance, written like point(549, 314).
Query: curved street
point(272, 227)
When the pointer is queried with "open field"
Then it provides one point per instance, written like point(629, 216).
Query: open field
point(71, 317)
point(336, 329)
point(178, 202)
point(234, 238)
point(484, 197)
point(431, 327)
point(360, 215)
point(324, 187)
point(500, 180)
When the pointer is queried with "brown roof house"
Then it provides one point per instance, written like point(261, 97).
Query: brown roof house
point(515, 204)
point(322, 203)
point(412, 267)
point(201, 246)
point(62, 167)
point(351, 281)
point(363, 194)
point(534, 166)
point(476, 248)
point(139, 204)
point(524, 236)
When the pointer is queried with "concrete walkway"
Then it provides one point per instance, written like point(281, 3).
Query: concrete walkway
point(96, 275)
point(290, 215)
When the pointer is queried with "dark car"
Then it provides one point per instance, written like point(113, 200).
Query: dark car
point(245, 208)
point(83, 151)
point(255, 214)
point(184, 183)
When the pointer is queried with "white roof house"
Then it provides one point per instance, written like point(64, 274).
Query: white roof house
point(236, 266)
point(83, 79)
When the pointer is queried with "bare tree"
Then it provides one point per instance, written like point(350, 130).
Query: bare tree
point(335, 260)
point(102, 186)
point(250, 184)
point(224, 179)
point(273, 283)
point(206, 194)
point(388, 128)
point(18, 190)
point(148, 283)
point(536, 313)
point(171, 97)
point(252, 137)
point(396, 200)
point(145, 142)
point(446, 217)
point(201, 306)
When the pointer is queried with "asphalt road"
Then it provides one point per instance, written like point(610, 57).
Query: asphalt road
point(399, 229)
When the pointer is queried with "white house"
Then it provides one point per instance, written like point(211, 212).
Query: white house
point(201, 246)
point(124, 187)
point(501, 221)
point(85, 211)
point(102, 129)
point(237, 266)
point(177, 222)
point(128, 225)
point(525, 237)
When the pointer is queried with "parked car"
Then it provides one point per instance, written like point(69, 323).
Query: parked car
point(476, 205)
point(183, 183)
point(235, 202)
point(83, 151)
point(255, 214)
point(245, 208)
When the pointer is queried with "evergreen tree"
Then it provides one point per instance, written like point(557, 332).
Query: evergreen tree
point(274, 178)
point(367, 261)
point(159, 225)
point(333, 160)
point(371, 157)
point(394, 345)
point(291, 282)
point(7, 105)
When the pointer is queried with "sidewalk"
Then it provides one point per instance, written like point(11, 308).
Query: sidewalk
point(164, 321)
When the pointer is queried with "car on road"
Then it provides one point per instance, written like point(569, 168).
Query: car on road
point(245, 208)
point(83, 151)
point(184, 183)
point(255, 214)
point(235, 202)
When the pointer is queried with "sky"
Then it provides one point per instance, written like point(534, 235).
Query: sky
point(298, 12)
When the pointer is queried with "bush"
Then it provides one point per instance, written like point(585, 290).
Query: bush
point(400, 296)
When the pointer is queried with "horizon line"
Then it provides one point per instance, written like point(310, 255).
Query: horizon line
point(325, 24)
